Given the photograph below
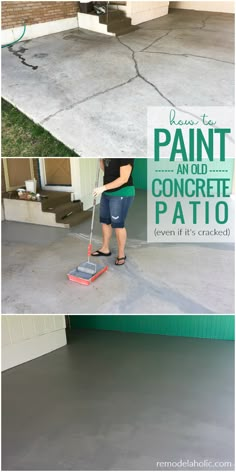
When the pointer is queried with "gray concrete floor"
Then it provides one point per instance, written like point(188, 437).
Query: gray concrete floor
point(157, 278)
point(118, 401)
point(184, 58)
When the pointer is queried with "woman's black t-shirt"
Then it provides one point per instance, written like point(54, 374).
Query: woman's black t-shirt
point(112, 171)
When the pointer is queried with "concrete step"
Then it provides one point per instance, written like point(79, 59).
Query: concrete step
point(91, 22)
point(65, 212)
point(124, 22)
point(65, 208)
point(117, 4)
point(54, 199)
point(122, 31)
point(28, 212)
point(112, 17)
point(115, 23)
point(120, 28)
point(74, 219)
point(31, 212)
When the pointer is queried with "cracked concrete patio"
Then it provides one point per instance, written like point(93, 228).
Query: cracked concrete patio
point(92, 91)
point(156, 279)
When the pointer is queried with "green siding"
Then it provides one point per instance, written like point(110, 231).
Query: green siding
point(140, 173)
point(199, 326)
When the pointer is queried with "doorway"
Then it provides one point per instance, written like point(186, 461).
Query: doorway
point(55, 174)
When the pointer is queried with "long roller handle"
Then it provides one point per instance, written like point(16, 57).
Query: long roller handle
point(93, 212)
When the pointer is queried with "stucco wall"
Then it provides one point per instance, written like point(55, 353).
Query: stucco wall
point(140, 12)
point(224, 7)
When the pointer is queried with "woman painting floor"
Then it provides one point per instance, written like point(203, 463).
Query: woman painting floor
point(117, 196)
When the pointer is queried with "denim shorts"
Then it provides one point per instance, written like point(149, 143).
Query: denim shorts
point(113, 210)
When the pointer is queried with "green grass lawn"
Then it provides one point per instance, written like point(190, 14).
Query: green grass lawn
point(21, 137)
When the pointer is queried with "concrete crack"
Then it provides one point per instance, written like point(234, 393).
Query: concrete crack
point(204, 20)
point(141, 76)
point(154, 86)
point(187, 55)
point(155, 41)
point(20, 56)
point(88, 98)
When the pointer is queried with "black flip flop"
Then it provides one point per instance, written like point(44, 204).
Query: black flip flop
point(100, 253)
point(120, 259)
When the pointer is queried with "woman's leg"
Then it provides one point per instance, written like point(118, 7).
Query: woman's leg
point(106, 226)
point(121, 236)
point(106, 237)
point(119, 207)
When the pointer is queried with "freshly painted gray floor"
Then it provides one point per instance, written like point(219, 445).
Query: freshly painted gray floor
point(119, 401)
point(157, 278)
point(92, 91)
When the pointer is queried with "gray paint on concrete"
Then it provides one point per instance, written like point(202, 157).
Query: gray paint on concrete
point(157, 278)
point(13, 232)
point(183, 58)
point(119, 401)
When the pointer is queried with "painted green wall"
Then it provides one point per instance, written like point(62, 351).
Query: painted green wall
point(199, 326)
point(140, 173)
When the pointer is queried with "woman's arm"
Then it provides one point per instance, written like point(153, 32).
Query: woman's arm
point(102, 164)
point(125, 172)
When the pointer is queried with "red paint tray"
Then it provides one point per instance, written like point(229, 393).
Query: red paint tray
point(83, 278)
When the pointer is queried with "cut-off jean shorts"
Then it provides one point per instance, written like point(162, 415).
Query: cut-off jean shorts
point(113, 210)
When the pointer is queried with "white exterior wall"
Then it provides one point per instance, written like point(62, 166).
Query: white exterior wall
point(39, 29)
point(86, 175)
point(139, 12)
point(222, 7)
point(83, 175)
point(26, 337)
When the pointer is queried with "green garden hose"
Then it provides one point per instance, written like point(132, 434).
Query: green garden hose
point(17, 40)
